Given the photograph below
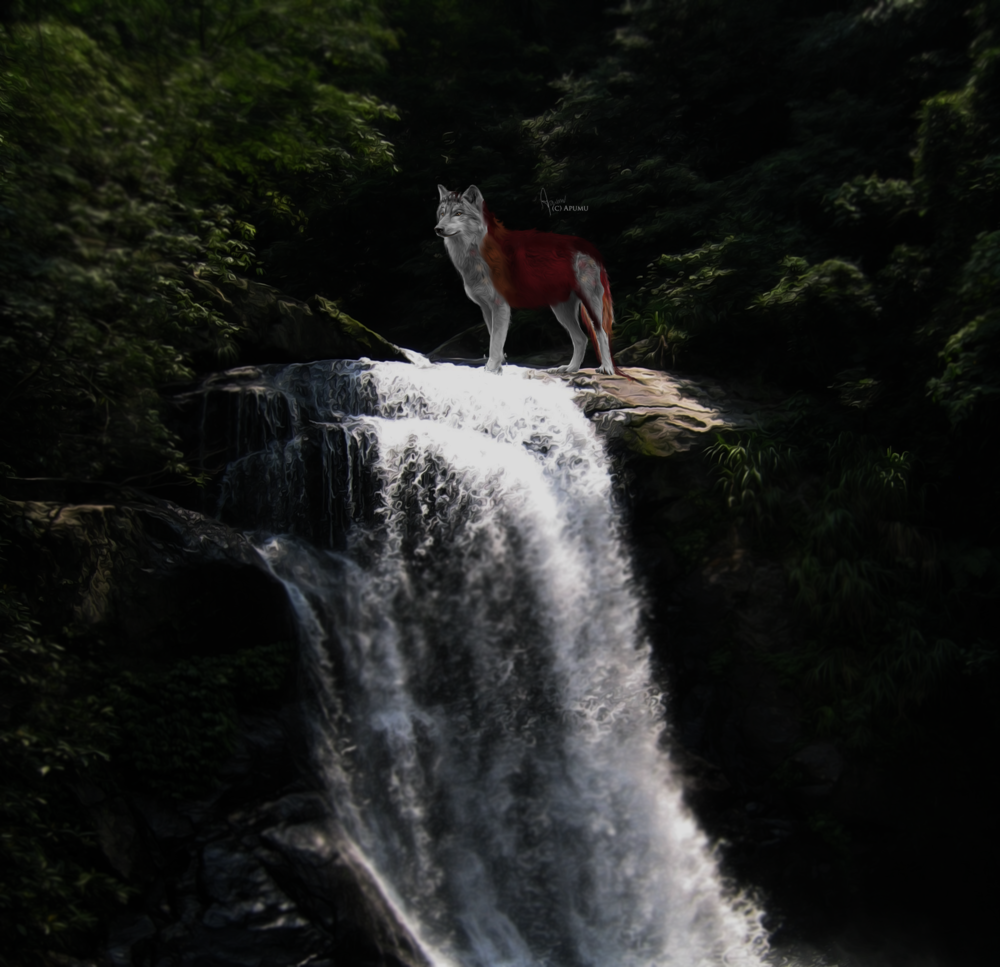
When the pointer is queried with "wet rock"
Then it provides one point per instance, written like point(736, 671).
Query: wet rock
point(97, 550)
point(241, 887)
point(249, 919)
point(297, 806)
point(305, 860)
point(306, 846)
point(124, 934)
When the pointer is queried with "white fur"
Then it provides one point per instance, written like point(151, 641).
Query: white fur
point(462, 226)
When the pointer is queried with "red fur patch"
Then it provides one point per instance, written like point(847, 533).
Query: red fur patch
point(532, 269)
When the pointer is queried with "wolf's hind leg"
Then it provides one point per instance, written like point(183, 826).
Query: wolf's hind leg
point(588, 277)
point(568, 315)
point(606, 367)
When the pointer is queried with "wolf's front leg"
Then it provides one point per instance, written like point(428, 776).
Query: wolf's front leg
point(498, 336)
point(487, 311)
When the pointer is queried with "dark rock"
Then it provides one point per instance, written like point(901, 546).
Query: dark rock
point(124, 934)
point(262, 746)
point(658, 414)
point(233, 877)
point(302, 806)
point(250, 919)
point(280, 329)
point(306, 846)
point(118, 837)
point(164, 822)
point(813, 795)
point(165, 581)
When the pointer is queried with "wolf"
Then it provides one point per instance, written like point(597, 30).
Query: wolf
point(505, 269)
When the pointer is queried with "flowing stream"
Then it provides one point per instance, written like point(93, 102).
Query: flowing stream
point(485, 720)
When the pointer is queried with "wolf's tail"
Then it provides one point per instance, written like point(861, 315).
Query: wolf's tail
point(608, 320)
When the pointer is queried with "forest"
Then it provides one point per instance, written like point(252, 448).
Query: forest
point(801, 195)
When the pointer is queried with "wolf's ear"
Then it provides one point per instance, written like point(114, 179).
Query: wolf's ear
point(473, 196)
point(443, 193)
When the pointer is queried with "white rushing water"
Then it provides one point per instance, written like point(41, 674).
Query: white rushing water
point(485, 718)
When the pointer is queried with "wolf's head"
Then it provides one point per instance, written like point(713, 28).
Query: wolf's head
point(460, 215)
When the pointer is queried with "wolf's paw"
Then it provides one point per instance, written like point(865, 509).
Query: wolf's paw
point(492, 367)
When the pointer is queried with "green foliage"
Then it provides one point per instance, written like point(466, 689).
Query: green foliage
point(636, 325)
point(970, 382)
point(177, 727)
point(863, 199)
point(95, 247)
point(753, 472)
point(700, 295)
point(238, 96)
point(834, 288)
point(958, 180)
point(131, 134)
point(54, 729)
point(874, 618)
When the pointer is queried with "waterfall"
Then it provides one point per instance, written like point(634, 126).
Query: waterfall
point(484, 716)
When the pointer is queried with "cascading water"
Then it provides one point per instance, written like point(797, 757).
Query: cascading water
point(485, 722)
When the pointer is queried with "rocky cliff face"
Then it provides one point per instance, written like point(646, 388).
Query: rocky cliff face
point(248, 873)
point(279, 329)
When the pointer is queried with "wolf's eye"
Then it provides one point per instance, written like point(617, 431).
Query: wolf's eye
point(459, 213)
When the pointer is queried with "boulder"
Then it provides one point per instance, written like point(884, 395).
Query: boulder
point(161, 580)
point(280, 329)
point(660, 414)
point(254, 873)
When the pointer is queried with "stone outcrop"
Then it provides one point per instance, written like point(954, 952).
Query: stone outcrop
point(280, 329)
point(254, 873)
point(158, 582)
point(659, 414)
